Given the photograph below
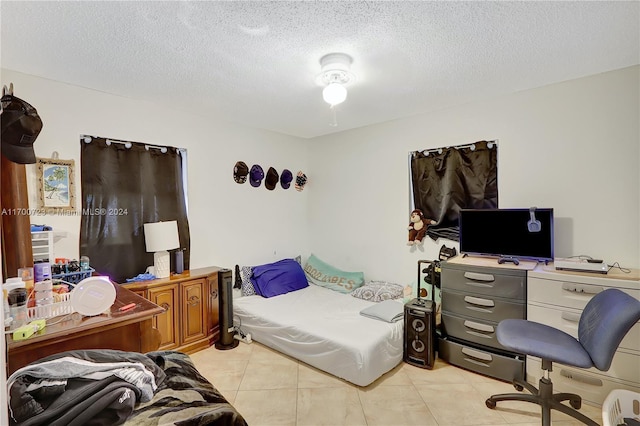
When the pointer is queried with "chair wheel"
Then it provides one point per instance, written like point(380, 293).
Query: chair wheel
point(490, 403)
point(518, 387)
point(575, 403)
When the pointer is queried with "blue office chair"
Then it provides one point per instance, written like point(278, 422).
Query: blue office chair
point(604, 322)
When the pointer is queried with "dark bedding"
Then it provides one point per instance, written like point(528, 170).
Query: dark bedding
point(185, 397)
point(108, 387)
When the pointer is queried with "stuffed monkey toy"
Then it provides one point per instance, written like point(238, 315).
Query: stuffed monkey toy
point(418, 227)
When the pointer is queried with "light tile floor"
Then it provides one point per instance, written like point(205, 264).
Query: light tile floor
point(269, 388)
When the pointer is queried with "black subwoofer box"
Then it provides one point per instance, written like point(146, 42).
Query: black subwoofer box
point(420, 333)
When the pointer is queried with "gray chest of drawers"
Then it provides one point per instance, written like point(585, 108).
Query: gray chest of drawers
point(475, 298)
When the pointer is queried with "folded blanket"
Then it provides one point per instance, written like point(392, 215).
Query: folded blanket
point(388, 310)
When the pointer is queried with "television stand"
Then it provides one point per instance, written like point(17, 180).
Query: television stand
point(505, 259)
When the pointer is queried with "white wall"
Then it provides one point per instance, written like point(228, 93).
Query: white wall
point(229, 223)
point(573, 146)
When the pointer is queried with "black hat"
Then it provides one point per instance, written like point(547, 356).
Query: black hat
point(285, 178)
point(301, 180)
point(21, 125)
point(256, 175)
point(271, 180)
point(240, 172)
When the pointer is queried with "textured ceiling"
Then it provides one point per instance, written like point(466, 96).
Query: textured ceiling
point(255, 63)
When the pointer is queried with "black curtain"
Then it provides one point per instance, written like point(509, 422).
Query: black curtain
point(122, 189)
point(449, 179)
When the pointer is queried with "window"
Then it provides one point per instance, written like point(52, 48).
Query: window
point(445, 180)
point(124, 186)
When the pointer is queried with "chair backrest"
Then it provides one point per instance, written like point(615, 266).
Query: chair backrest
point(604, 322)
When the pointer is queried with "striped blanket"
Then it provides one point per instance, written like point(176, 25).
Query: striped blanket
point(184, 398)
point(108, 387)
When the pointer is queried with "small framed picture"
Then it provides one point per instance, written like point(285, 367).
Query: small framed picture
point(56, 190)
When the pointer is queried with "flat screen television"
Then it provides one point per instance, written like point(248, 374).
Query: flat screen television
point(507, 233)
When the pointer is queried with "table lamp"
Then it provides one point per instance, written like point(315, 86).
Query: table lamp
point(160, 237)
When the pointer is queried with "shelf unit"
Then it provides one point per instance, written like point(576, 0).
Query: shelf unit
point(42, 243)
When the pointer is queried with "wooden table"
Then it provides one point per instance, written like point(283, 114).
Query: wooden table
point(131, 330)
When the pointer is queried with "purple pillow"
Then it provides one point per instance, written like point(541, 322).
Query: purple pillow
point(279, 277)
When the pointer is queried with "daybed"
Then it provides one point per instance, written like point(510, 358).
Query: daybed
point(324, 329)
point(108, 387)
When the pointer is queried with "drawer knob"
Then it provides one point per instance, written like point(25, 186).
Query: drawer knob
point(478, 326)
point(586, 289)
point(165, 306)
point(476, 276)
point(582, 378)
point(483, 356)
point(479, 301)
point(570, 316)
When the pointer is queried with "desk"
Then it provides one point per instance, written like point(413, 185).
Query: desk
point(127, 331)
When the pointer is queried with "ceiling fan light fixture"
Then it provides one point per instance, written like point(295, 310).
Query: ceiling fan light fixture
point(334, 94)
point(336, 62)
point(335, 74)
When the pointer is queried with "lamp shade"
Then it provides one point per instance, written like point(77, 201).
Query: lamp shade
point(334, 94)
point(159, 236)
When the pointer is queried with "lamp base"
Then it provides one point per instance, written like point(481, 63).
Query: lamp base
point(161, 264)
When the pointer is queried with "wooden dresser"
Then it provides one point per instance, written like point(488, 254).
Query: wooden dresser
point(190, 300)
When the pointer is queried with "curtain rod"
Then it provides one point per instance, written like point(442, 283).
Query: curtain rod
point(471, 146)
point(127, 144)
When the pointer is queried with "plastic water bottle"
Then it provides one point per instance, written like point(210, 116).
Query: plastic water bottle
point(84, 263)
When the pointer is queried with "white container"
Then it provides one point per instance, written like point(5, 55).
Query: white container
point(61, 307)
point(12, 283)
point(9, 285)
point(619, 405)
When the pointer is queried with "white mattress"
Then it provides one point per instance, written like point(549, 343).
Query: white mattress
point(323, 328)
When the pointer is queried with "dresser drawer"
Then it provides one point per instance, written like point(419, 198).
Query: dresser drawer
point(567, 320)
point(591, 387)
point(488, 363)
point(483, 307)
point(566, 293)
point(474, 330)
point(507, 284)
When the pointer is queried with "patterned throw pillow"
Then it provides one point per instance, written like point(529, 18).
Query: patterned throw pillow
point(247, 286)
point(377, 291)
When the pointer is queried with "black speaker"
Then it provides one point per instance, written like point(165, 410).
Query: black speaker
point(179, 262)
point(419, 333)
point(225, 310)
